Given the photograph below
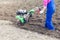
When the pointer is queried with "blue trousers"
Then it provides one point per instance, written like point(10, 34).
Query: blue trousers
point(49, 14)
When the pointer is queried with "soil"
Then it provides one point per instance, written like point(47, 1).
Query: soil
point(8, 10)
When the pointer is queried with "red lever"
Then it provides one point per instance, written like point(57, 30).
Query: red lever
point(38, 11)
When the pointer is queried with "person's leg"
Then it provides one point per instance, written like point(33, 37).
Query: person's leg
point(49, 23)
point(49, 15)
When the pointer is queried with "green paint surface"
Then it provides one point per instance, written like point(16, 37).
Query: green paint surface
point(20, 18)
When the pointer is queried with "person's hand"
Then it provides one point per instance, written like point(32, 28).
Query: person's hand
point(41, 12)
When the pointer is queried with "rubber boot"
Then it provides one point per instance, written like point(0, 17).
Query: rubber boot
point(50, 11)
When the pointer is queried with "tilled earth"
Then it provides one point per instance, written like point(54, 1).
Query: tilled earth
point(8, 10)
